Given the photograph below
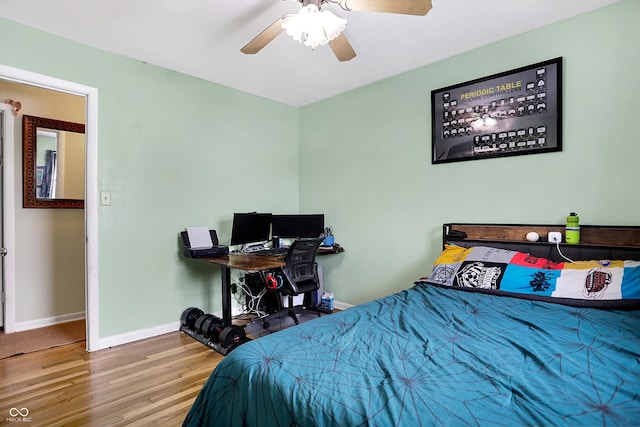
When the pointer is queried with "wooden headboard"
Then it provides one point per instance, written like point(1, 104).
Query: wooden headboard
point(596, 241)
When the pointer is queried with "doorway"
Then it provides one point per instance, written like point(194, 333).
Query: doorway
point(49, 251)
point(91, 202)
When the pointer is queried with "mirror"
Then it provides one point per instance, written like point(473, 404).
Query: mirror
point(53, 161)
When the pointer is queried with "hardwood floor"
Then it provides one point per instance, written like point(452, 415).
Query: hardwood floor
point(148, 382)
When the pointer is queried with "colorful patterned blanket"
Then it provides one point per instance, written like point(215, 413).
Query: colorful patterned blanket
point(597, 283)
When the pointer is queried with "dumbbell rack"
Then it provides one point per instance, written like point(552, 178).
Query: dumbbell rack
point(211, 331)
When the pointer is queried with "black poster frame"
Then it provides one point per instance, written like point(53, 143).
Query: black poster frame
point(516, 112)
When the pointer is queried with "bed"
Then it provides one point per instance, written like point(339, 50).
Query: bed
point(492, 336)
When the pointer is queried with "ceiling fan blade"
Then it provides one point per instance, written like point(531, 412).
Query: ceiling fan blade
point(266, 36)
point(342, 48)
point(405, 7)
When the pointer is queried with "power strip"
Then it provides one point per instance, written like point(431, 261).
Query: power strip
point(554, 237)
point(253, 248)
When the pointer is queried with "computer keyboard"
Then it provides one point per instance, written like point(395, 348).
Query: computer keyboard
point(271, 252)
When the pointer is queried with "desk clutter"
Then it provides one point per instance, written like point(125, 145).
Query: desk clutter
point(267, 283)
point(284, 283)
point(259, 234)
point(258, 231)
point(211, 331)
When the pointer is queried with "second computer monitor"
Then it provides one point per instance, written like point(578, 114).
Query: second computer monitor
point(297, 225)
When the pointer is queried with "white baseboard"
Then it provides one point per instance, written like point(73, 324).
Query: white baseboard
point(341, 305)
point(139, 334)
point(48, 321)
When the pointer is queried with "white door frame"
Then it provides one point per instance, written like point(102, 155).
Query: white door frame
point(90, 203)
point(9, 220)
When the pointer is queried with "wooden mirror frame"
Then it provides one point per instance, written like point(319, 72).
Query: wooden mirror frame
point(30, 125)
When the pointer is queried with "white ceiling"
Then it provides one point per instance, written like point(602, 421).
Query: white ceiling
point(203, 38)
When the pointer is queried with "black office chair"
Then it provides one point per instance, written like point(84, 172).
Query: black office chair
point(299, 276)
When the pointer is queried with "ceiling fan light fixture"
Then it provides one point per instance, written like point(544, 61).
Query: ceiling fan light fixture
point(314, 27)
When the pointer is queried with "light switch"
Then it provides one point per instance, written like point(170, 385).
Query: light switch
point(105, 198)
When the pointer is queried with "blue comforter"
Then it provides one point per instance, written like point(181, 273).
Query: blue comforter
point(434, 356)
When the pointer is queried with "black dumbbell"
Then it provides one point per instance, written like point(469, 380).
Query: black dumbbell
point(200, 323)
point(232, 335)
point(189, 317)
point(211, 328)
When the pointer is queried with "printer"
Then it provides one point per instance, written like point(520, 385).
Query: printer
point(207, 246)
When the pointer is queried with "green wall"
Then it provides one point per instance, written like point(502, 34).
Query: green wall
point(387, 202)
point(174, 151)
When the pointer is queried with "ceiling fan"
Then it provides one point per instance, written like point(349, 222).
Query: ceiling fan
point(315, 27)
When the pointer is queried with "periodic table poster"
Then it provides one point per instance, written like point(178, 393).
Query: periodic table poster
point(511, 113)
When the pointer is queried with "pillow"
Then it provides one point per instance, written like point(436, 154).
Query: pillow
point(609, 284)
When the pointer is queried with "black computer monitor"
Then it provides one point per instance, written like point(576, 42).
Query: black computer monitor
point(250, 227)
point(298, 225)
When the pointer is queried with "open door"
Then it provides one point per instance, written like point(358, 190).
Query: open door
point(7, 217)
point(3, 251)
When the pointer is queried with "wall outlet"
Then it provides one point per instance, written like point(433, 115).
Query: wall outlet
point(555, 236)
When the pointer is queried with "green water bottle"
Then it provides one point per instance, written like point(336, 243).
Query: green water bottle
point(572, 233)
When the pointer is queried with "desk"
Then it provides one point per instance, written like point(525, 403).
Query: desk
point(248, 262)
point(245, 262)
